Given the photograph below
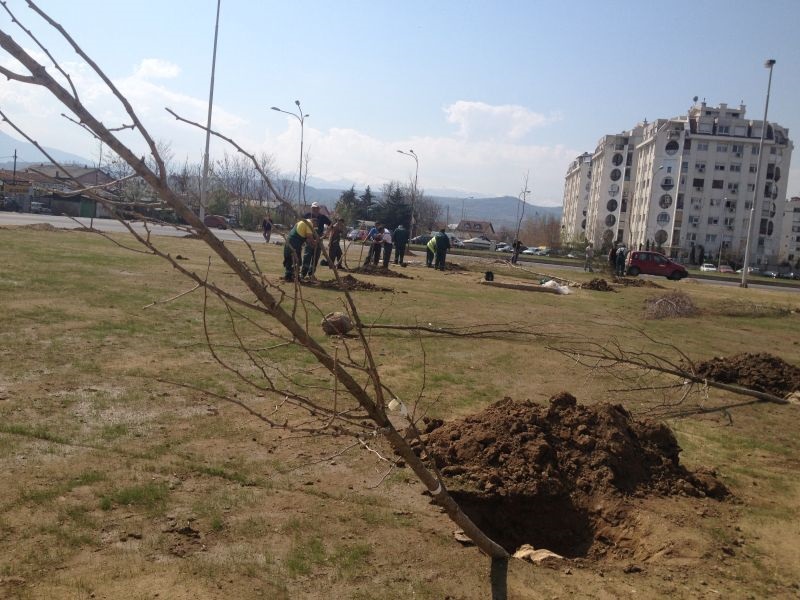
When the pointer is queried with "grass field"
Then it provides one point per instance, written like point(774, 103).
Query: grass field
point(121, 478)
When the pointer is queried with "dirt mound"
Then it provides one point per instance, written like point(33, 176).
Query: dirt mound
point(633, 282)
point(560, 477)
point(38, 227)
point(350, 284)
point(598, 285)
point(380, 271)
point(451, 266)
point(761, 372)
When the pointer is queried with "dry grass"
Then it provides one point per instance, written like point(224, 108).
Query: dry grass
point(116, 484)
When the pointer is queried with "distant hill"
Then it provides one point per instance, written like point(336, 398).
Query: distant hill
point(27, 153)
point(500, 211)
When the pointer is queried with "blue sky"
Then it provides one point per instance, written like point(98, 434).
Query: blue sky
point(484, 92)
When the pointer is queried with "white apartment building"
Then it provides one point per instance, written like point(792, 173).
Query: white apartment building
point(790, 250)
point(576, 196)
point(686, 185)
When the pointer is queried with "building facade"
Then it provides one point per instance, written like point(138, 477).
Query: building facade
point(686, 185)
point(577, 185)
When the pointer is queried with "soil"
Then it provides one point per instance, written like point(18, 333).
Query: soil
point(598, 285)
point(351, 284)
point(380, 271)
point(633, 282)
point(561, 477)
point(761, 372)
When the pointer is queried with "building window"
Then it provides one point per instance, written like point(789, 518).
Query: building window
point(736, 168)
point(698, 183)
point(615, 175)
point(733, 188)
point(754, 149)
point(616, 160)
point(665, 201)
point(667, 183)
point(737, 149)
point(702, 147)
point(722, 147)
point(719, 167)
point(717, 184)
point(611, 205)
point(711, 238)
point(723, 130)
point(610, 220)
point(753, 168)
point(684, 166)
point(662, 219)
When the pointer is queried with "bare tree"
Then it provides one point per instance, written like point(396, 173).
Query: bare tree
point(354, 402)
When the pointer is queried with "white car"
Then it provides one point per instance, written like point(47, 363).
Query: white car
point(478, 243)
point(708, 267)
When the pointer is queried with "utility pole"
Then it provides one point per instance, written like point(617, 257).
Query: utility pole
point(204, 180)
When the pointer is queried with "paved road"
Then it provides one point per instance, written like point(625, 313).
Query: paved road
point(114, 226)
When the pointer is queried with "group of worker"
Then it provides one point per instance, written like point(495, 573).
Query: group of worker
point(303, 246)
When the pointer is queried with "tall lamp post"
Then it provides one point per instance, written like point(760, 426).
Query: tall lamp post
point(204, 179)
point(768, 64)
point(413, 155)
point(301, 118)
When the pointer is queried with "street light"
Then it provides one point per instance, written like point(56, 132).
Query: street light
point(413, 155)
point(769, 64)
point(301, 119)
point(204, 178)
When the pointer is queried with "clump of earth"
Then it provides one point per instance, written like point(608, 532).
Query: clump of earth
point(597, 284)
point(562, 476)
point(762, 372)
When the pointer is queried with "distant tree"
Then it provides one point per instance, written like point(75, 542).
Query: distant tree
point(347, 207)
point(428, 212)
point(366, 203)
point(395, 205)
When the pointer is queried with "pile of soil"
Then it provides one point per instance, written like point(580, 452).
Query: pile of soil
point(350, 284)
point(451, 266)
point(560, 477)
point(380, 271)
point(634, 282)
point(762, 372)
point(598, 285)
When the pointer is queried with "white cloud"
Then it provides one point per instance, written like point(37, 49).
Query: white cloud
point(478, 120)
point(156, 68)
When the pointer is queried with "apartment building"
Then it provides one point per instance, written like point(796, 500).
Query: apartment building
point(686, 185)
point(790, 250)
point(577, 185)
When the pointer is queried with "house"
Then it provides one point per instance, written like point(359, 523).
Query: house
point(470, 229)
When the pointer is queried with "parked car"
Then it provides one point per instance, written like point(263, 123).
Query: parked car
point(749, 270)
point(708, 267)
point(725, 269)
point(574, 255)
point(478, 243)
point(770, 274)
point(789, 275)
point(538, 251)
point(217, 221)
point(421, 239)
point(39, 208)
point(652, 263)
point(454, 241)
point(357, 234)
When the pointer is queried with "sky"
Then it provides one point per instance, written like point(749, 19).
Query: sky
point(485, 93)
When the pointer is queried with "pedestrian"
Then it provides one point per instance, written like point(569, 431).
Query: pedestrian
point(266, 228)
point(312, 253)
point(587, 266)
point(621, 256)
point(334, 245)
point(612, 258)
point(386, 238)
point(430, 252)
point(442, 246)
point(400, 239)
point(374, 239)
point(301, 234)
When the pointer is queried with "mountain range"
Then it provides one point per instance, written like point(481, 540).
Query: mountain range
point(501, 211)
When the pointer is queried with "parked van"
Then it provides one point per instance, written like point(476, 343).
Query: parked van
point(40, 208)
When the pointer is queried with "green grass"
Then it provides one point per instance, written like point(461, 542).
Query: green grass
point(149, 496)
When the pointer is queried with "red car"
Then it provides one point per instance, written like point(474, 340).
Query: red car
point(653, 263)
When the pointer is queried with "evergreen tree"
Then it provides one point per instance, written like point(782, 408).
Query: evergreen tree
point(366, 204)
point(395, 206)
point(348, 207)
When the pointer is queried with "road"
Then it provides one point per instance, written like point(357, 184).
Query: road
point(114, 226)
